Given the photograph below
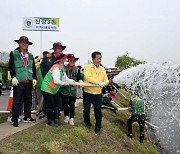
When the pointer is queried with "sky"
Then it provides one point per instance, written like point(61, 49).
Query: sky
point(148, 30)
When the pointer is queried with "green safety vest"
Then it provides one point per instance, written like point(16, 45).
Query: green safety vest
point(105, 99)
point(39, 76)
point(0, 75)
point(23, 72)
point(137, 106)
point(48, 84)
point(66, 90)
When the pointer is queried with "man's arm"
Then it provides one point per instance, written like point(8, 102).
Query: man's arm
point(130, 105)
point(12, 65)
point(105, 78)
point(43, 66)
point(34, 71)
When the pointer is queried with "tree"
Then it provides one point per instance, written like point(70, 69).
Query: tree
point(5, 74)
point(125, 61)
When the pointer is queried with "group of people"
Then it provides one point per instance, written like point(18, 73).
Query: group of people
point(55, 84)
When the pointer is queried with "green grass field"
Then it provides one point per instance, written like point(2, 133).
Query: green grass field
point(43, 139)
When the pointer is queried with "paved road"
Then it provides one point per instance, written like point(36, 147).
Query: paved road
point(6, 129)
point(4, 100)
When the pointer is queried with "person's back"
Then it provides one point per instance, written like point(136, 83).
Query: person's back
point(47, 63)
point(137, 109)
point(137, 106)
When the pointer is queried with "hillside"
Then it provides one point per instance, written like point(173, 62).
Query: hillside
point(78, 139)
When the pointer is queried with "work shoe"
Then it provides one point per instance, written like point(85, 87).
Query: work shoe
point(71, 121)
point(97, 130)
point(114, 111)
point(130, 135)
point(20, 118)
point(10, 119)
point(141, 140)
point(29, 119)
point(88, 126)
point(42, 115)
point(58, 122)
point(52, 124)
point(15, 123)
point(66, 120)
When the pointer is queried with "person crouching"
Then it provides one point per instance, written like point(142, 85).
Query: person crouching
point(137, 108)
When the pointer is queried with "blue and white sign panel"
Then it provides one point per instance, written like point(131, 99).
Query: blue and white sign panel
point(41, 24)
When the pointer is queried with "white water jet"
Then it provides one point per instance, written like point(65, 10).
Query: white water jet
point(159, 86)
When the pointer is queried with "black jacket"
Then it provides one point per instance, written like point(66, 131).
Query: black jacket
point(47, 63)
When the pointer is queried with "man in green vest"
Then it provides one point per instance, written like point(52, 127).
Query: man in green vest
point(0, 80)
point(138, 114)
point(23, 73)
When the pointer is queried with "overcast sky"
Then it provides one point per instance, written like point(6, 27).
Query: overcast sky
point(146, 29)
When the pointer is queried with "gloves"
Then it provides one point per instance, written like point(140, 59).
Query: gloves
point(66, 84)
point(81, 83)
point(34, 82)
point(15, 81)
point(74, 83)
point(102, 84)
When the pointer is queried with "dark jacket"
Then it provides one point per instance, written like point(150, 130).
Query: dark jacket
point(47, 63)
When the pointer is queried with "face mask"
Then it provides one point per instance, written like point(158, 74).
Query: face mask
point(65, 63)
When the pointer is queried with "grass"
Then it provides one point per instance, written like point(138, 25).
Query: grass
point(68, 140)
point(3, 117)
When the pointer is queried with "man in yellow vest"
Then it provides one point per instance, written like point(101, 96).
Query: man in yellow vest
point(23, 74)
point(94, 73)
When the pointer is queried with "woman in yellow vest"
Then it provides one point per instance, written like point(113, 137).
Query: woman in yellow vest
point(54, 79)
